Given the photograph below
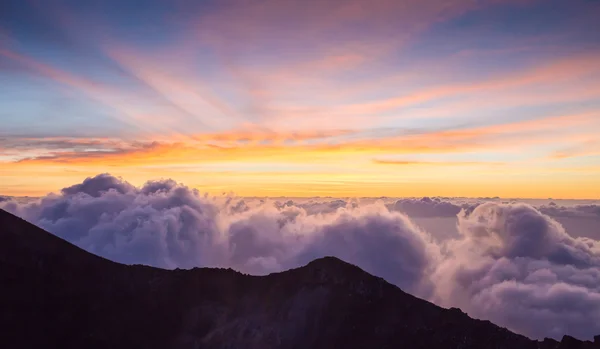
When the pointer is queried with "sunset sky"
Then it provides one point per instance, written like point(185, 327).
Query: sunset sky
point(304, 98)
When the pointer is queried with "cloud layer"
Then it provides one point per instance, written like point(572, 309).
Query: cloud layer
point(510, 263)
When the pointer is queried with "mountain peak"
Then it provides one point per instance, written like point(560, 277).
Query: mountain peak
point(327, 261)
point(334, 265)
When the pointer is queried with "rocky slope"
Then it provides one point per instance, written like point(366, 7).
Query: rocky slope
point(53, 294)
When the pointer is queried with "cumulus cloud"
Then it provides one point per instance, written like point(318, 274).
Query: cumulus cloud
point(430, 207)
point(510, 263)
point(100, 184)
point(519, 268)
point(579, 211)
point(318, 206)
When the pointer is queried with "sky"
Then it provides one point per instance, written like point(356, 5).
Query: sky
point(304, 98)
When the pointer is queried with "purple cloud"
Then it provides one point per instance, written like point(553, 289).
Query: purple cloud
point(510, 262)
point(429, 207)
point(519, 268)
point(588, 211)
point(99, 184)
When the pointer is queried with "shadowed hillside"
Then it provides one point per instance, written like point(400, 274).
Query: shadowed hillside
point(54, 294)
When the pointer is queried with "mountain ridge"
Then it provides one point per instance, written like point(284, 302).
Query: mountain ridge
point(54, 293)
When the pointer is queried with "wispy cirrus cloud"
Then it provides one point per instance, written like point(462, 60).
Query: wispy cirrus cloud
point(128, 106)
point(254, 144)
point(320, 94)
point(585, 146)
point(434, 163)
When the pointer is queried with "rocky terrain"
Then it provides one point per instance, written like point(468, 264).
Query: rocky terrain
point(53, 294)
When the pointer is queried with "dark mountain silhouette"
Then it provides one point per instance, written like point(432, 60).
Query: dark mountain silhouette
point(54, 294)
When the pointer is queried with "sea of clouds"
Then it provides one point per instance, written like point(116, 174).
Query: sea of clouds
point(508, 262)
